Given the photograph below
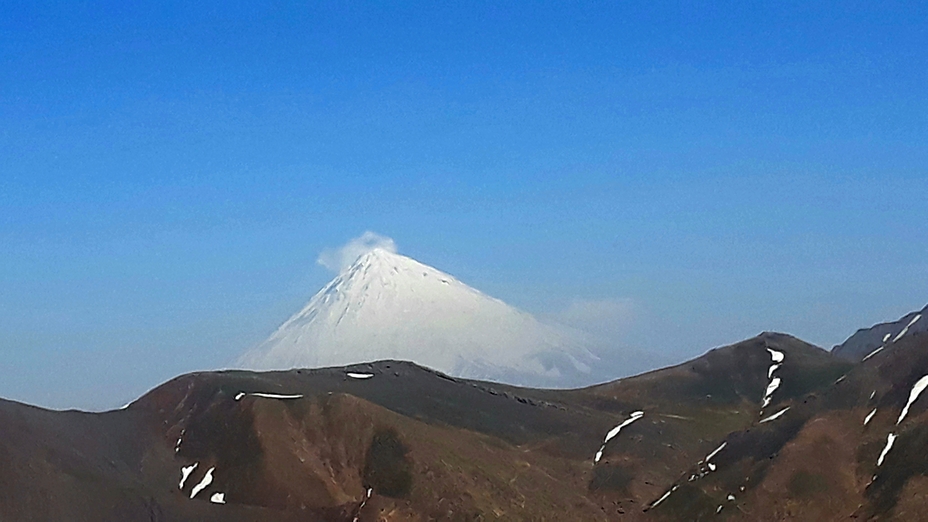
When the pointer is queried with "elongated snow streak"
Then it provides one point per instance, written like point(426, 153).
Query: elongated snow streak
point(917, 389)
point(185, 472)
point(204, 482)
point(872, 395)
point(906, 329)
point(889, 444)
point(218, 498)
point(777, 358)
point(772, 387)
point(869, 416)
point(360, 375)
point(874, 352)
point(716, 451)
point(775, 415)
point(267, 396)
point(367, 496)
point(663, 497)
point(615, 431)
point(886, 337)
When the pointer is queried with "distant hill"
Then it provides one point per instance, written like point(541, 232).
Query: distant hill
point(389, 306)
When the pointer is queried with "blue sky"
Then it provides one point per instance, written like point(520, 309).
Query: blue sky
point(169, 173)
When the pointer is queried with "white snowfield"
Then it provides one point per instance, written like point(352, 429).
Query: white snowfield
point(388, 306)
point(615, 431)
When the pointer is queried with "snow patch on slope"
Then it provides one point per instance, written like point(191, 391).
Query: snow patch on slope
point(917, 390)
point(615, 431)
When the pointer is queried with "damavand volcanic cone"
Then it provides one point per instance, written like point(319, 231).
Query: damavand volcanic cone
point(389, 306)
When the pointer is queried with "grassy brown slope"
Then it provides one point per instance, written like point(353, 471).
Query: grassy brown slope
point(436, 448)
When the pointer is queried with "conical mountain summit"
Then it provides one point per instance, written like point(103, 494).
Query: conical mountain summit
point(389, 306)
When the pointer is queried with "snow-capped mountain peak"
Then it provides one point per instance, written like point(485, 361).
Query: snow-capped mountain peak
point(389, 306)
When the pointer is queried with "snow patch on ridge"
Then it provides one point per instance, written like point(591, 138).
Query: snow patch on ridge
point(240, 395)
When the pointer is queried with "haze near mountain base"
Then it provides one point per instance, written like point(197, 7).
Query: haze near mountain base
point(388, 306)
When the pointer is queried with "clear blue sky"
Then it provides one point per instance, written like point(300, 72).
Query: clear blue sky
point(169, 173)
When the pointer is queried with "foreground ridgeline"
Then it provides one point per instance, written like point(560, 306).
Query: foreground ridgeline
point(767, 429)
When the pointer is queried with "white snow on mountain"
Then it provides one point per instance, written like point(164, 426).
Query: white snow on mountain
point(389, 306)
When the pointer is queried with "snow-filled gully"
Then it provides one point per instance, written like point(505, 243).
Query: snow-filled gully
point(709, 466)
point(906, 329)
point(187, 471)
point(367, 496)
point(204, 483)
point(615, 431)
point(663, 497)
point(776, 358)
point(775, 415)
point(914, 393)
point(917, 390)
